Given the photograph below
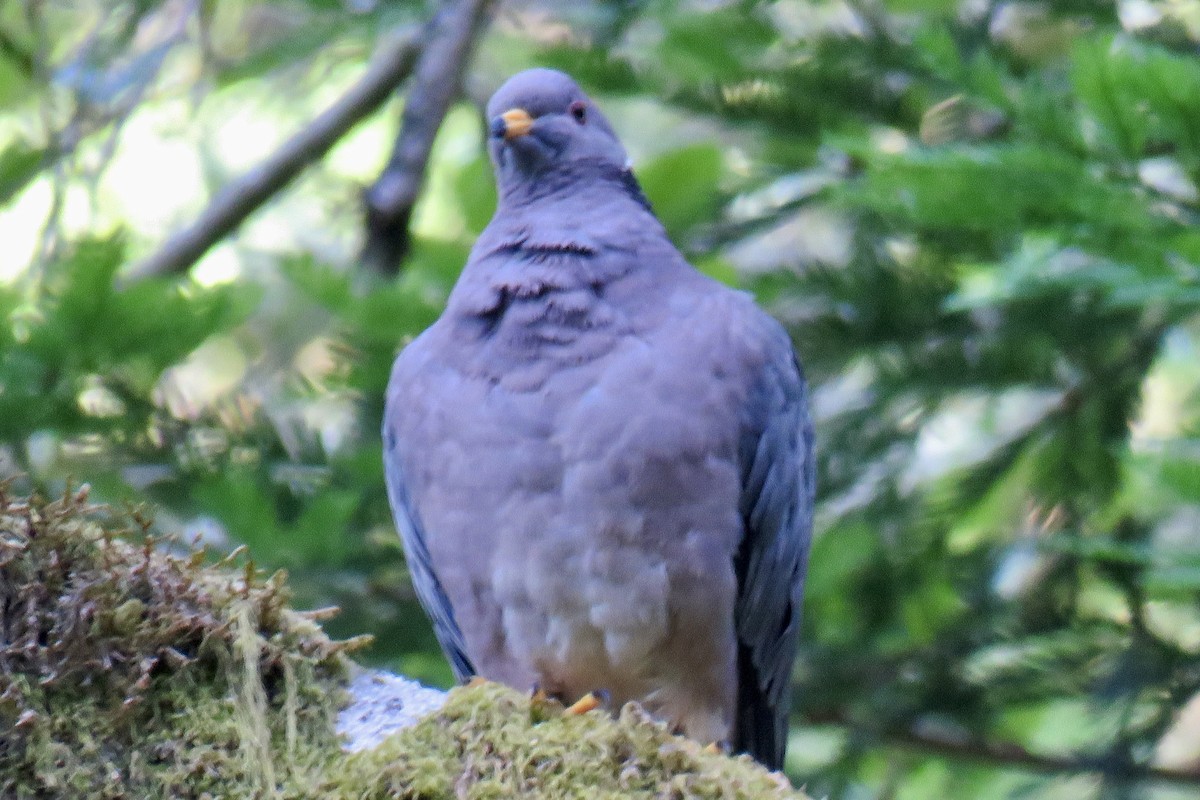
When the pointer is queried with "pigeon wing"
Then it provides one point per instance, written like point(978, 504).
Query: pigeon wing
point(429, 589)
point(776, 454)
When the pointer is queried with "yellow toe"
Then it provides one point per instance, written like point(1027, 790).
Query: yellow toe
point(584, 704)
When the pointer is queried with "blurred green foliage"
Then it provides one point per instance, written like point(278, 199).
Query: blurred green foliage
point(979, 220)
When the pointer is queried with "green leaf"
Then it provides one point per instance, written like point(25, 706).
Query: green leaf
point(682, 185)
point(1181, 581)
point(319, 282)
point(236, 497)
point(930, 608)
point(476, 192)
point(1139, 93)
point(837, 561)
point(597, 69)
point(20, 163)
point(998, 190)
point(723, 42)
point(1100, 548)
point(1096, 72)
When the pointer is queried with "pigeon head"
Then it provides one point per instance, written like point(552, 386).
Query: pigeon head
point(545, 131)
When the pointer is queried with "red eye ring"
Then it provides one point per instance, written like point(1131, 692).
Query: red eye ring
point(578, 110)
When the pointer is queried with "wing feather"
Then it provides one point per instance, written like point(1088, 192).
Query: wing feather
point(416, 552)
point(777, 507)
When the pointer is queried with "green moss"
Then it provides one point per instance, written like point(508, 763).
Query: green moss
point(489, 741)
point(128, 672)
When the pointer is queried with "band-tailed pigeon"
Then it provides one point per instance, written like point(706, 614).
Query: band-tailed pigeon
point(600, 460)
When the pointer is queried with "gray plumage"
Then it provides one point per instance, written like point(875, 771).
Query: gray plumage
point(600, 460)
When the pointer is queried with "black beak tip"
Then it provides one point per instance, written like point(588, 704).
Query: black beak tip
point(498, 128)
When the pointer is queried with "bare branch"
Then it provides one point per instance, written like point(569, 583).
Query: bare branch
point(438, 79)
point(243, 196)
point(1014, 756)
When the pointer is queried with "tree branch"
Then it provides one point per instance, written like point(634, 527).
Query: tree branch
point(436, 84)
point(239, 199)
point(1012, 756)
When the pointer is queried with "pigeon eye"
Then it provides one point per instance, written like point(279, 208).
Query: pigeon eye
point(578, 110)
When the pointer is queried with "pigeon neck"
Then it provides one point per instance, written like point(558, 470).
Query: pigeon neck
point(577, 183)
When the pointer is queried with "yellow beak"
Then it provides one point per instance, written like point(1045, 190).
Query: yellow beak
point(517, 122)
